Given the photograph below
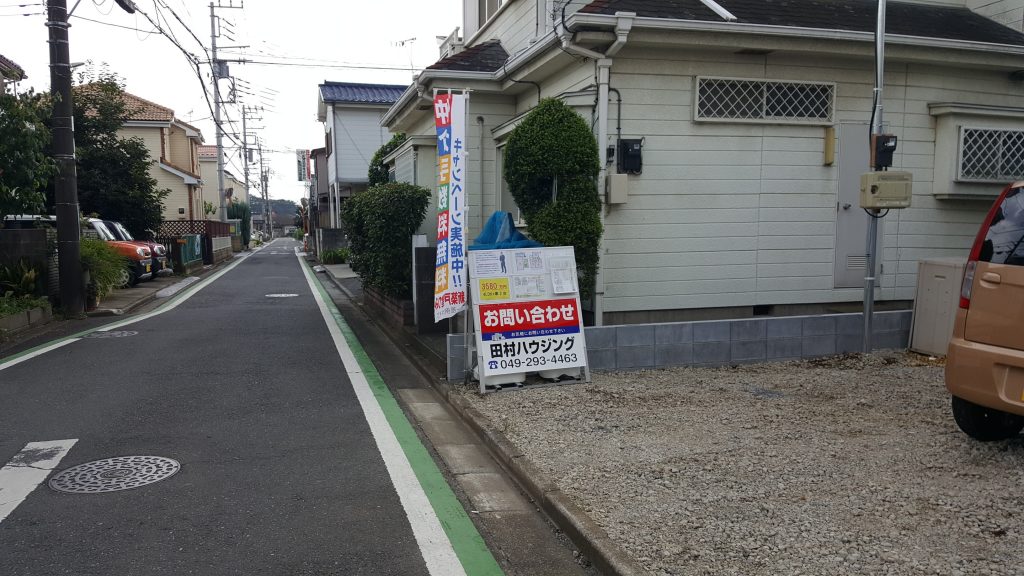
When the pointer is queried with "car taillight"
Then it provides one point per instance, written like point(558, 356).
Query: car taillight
point(979, 241)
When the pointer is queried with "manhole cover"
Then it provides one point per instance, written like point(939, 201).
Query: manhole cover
point(112, 334)
point(281, 295)
point(113, 474)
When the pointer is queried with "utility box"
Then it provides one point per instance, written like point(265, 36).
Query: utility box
point(630, 155)
point(885, 190)
point(936, 303)
point(618, 188)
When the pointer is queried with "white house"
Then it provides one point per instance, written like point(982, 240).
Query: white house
point(753, 116)
point(351, 114)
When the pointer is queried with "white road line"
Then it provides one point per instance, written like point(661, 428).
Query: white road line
point(435, 547)
point(27, 470)
point(188, 293)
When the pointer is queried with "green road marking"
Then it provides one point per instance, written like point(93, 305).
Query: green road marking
point(469, 546)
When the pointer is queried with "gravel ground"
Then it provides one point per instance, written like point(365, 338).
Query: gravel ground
point(845, 465)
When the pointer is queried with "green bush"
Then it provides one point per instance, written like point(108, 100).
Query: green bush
point(378, 172)
point(339, 256)
point(551, 166)
point(379, 223)
point(10, 304)
point(21, 279)
point(242, 212)
point(104, 265)
point(299, 234)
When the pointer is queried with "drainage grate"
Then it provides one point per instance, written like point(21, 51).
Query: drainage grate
point(112, 334)
point(113, 474)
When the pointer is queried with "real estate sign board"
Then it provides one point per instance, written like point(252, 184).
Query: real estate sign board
point(526, 307)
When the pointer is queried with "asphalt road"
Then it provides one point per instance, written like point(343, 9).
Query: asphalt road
point(280, 473)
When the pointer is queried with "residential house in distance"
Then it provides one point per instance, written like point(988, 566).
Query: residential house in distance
point(234, 189)
point(174, 147)
point(747, 124)
point(351, 114)
point(10, 74)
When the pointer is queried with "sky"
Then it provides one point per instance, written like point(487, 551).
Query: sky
point(303, 43)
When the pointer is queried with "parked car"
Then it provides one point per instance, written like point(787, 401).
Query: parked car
point(140, 258)
point(161, 263)
point(985, 363)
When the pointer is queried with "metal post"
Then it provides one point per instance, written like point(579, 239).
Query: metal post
point(66, 184)
point(876, 128)
point(216, 113)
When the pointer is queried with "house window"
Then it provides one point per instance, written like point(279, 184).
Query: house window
point(488, 8)
point(505, 200)
point(990, 155)
point(764, 101)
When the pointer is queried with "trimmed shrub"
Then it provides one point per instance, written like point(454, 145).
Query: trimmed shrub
point(379, 223)
point(241, 211)
point(378, 172)
point(551, 166)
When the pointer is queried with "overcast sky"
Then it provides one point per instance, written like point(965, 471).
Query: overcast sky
point(356, 41)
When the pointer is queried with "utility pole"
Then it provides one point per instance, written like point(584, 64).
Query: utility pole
point(220, 70)
point(245, 152)
point(69, 233)
point(268, 223)
point(216, 113)
point(871, 242)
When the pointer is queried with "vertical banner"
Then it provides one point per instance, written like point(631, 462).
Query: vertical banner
point(450, 266)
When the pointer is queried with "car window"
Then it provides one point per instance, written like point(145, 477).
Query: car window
point(1004, 243)
point(122, 231)
point(102, 230)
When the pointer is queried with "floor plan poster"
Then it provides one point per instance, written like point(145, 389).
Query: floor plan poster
point(527, 310)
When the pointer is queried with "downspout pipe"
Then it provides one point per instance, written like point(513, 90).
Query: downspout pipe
point(623, 25)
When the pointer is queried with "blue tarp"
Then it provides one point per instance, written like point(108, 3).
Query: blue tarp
point(500, 233)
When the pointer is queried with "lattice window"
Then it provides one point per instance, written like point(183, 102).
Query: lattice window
point(765, 101)
point(990, 155)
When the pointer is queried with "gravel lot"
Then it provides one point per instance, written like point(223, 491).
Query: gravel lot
point(846, 465)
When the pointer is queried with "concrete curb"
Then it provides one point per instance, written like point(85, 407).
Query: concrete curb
point(588, 536)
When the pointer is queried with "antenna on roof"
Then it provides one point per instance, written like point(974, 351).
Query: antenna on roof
point(718, 9)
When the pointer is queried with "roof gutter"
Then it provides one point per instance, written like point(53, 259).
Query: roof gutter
point(607, 20)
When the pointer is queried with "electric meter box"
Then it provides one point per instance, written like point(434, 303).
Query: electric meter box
point(885, 190)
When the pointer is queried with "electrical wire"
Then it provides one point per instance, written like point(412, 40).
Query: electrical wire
point(113, 25)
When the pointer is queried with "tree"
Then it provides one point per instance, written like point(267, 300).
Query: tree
point(25, 165)
point(378, 172)
point(551, 165)
point(113, 172)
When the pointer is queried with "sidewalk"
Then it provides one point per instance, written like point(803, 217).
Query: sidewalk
point(427, 352)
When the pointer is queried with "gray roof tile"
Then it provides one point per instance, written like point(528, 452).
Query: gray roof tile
point(903, 18)
point(484, 57)
point(351, 92)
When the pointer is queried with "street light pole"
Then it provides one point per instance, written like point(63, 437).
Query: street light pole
point(66, 184)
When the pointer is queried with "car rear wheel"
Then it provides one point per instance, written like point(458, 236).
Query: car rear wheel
point(985, 424)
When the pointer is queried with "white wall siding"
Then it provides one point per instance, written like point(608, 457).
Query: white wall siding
point(753, 204)
point(405, 168)
point(357, 135)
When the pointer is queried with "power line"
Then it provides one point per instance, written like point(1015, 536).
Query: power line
point(114, 25)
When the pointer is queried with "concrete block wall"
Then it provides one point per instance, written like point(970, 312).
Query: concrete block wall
point(725, 342)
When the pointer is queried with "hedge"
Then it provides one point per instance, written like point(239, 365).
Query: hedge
point(379, 224)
